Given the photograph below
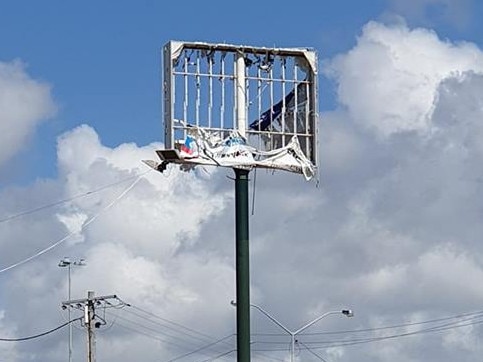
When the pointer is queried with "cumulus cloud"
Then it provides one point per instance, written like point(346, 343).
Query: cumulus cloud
point(24, 103)
point(389, 81)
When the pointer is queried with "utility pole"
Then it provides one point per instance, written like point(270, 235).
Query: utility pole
point(88, 306)
point(88, 320)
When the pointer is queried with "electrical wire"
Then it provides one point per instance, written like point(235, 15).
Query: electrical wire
point(349, 342)
point(270, 358)
point(185, 334)
point(173, 323)
point(451, 325)
point(201, 348)
point(174, 327)
point(38, 335)
point(152, 336)
point(63, 201)
point(310, 350)
point(87, 223)
point(395, 336)
point(141, 325)
point(457, 316)
point(219, 356)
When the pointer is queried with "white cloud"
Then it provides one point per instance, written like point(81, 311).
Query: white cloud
point(74, 224)
point(425, 281)
point(389, 81)
point(24, 103)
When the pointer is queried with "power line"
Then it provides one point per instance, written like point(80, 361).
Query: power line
point(174, 327)
point(458, 316)
point(40, 334)
point(395, 336)
point(349, 342)
point(166, 326)
point(441, 327)
point(201, 348)
point(310, 350)
point(173, 323)
point(87, 223)
point(150, 329)
point(154, 337)
point(164, 340)
point(63, 201)
point(219, 356)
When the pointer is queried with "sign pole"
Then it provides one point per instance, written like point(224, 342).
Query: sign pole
point(242, 266)
point(242, 228)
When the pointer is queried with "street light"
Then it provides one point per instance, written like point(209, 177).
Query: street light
point(66, 262)
point(346, 312)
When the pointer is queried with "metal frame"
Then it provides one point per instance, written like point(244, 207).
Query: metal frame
point(223, 87)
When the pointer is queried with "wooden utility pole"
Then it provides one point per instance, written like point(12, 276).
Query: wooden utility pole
point(89, 316)
point(88, 306)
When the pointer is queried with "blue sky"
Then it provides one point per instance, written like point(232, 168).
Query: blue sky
point(394, 230)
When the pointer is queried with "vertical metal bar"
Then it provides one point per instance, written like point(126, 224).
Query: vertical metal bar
point(198, 89)
point(185, 95)
point(242, 266)
point(173, 96)
point(270, 130)
point(240, 86)
point(295, 99)
point(284, 106)
point(307, 118)
point(247, 100)
point(259, 104)
point(235, 94)
point(314, 115)
point(222, 105)
point(168, 95)
point(210, 89)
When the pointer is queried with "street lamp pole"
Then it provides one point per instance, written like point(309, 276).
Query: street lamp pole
point(67, 263)
point(346, 312)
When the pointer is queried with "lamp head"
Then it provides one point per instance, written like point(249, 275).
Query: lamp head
point(65, 262)
point(348, 312)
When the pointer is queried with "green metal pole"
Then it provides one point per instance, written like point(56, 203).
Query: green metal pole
point(242, 266)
